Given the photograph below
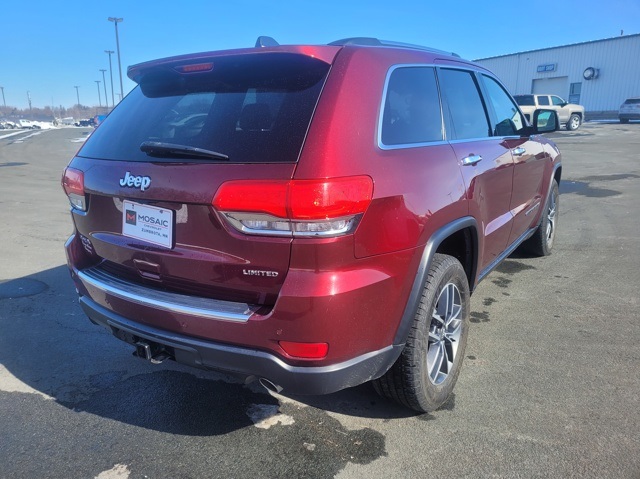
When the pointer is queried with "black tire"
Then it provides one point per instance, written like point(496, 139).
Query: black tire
point(624, 120)
point(541, 243)
point(409, 381)
point(574, 122)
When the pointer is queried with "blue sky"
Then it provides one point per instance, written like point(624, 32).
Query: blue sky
point(50, 46)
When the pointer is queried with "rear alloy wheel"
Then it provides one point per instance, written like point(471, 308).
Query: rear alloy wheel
point(424, 375)
point(541, 243)
point(573, 123)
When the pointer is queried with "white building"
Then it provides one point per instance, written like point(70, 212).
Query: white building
point(599, 74)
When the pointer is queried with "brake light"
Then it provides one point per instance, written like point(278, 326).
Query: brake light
point(73, 185)
point(305, 350)
point(200, 67)
point(327, 207)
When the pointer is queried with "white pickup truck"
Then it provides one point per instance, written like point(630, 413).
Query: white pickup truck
point(569, 114)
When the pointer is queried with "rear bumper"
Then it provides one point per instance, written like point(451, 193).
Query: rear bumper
point(247, 362)
point(173, 303)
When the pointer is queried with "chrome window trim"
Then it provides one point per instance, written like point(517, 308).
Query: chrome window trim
point(404, 146)
point(206, 308)
point(484, 138)
point(437, 67)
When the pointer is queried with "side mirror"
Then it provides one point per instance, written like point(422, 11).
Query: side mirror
point(545, 121)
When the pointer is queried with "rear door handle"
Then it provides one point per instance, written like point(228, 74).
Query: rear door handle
point(518, 151)
point(471, 160)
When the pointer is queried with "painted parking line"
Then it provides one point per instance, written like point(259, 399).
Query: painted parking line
point(21, 140)
point(11, 134)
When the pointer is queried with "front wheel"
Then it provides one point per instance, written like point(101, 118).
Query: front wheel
point(541, 242)
point(573, 123)
point(624, 120)
point(424, 375)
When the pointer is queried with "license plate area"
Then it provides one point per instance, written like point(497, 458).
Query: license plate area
point(148, 223)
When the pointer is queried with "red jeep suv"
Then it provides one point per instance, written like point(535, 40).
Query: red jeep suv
point(313, 217)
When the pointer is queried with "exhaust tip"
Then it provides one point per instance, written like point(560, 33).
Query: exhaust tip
point(265, 383)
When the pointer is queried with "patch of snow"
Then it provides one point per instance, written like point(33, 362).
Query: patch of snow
point(119, 471)
point(266, 415)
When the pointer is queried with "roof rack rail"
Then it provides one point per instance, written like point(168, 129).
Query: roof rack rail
point(357, 41)
point(264, 41)
point(369, 41)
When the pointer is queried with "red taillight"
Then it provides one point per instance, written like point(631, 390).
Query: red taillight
point(73, 185)
point(254, 196)
point(327, 207)
point(73, 181)
point(332, 198)
point(305, 350)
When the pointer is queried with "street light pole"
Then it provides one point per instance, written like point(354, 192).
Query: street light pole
point(77, 94)
point(113, 99)
point(104, 83)
point(115, 22)
point(4, 103)
point(99, 99)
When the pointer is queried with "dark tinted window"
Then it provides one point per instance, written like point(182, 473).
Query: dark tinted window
point(508, 119)
point(525, 100)
point(253, 108)
point(463, 102)
point(632, 101)
point(412, 107)
point(543, 100)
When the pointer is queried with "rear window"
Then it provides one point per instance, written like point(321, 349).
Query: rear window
point(525, 100)
point(252, 108)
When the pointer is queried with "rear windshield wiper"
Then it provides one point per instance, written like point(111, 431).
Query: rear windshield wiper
point(159, 148)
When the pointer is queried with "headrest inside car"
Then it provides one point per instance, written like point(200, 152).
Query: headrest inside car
point(256, 116)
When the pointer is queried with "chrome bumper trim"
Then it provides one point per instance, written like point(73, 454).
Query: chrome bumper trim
point(173, 302)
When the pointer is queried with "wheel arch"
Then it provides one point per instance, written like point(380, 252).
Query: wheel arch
point(557, 173)
point(458, 239)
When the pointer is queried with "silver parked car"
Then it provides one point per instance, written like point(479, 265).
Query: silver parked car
point(629, 110)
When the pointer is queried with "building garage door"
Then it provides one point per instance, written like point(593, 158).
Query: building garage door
point(551, 86)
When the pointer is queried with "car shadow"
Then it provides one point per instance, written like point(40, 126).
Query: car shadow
point(51, 348)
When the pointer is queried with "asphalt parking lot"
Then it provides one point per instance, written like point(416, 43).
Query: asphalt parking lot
point(550, 385)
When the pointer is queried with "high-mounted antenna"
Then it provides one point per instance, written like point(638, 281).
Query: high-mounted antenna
point(264, 41)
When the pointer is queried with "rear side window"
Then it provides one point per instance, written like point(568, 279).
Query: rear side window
point(543, 100)
point(464, 105)
point(252, 108)
point(525, 100)
point(411, 113)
